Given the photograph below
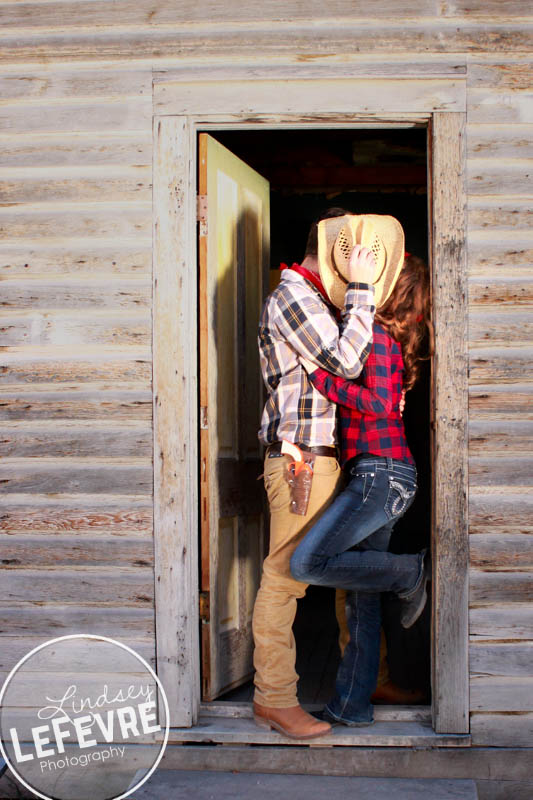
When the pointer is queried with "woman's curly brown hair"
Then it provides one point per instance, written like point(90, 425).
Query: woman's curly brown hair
point(406, 316)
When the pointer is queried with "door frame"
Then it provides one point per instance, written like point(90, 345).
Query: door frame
point(182, 110)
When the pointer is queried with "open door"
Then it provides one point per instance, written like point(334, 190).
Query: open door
point(234, 219)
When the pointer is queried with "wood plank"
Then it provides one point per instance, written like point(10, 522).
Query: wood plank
point(380, 734)
point(490, 551)
point(48, 620)
point(86, 514)
point(491, 327)
point(175, 435)
point(507, 730)
point(503, 660)
point(85, 184)
point(509, 290)
point(95, 327)
point(514, 75)
point(489, 106)
point(501, 437)
point(500, 141)
point(513, 622)
point(82, 439)
point(16, 647)
point(504, 514)
point(507, 176)
point(81, 293)
point(450, 400)
point(65, 148)
point(84, 115)
point(506, 400)
point(57, 367)
point(93, 219)
point(58, 550)
point(503, 790)
point(96, 585)
point(500, 213)
point(512, 365)
point(496, 252)
point(99, 403)
point(74, 257)
point(501, 694)
point(501, 471)
point(488, 588)
point(48, 83)
point(366, 95)
point(70, 475)
point(294, 40)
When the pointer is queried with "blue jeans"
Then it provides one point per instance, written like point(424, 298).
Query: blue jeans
point(347, 549)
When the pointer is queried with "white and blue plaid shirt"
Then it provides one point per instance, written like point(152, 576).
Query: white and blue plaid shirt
point(296, 321)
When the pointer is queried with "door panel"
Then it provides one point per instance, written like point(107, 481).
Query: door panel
point(234, 255)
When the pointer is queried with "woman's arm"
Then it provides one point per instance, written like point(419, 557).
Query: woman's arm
point(373, 397)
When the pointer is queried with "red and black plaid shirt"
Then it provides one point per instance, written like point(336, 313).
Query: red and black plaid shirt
point(369, 407)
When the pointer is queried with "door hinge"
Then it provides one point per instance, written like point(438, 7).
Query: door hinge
point(204, 607)
point(201, 213)
point(204, 424)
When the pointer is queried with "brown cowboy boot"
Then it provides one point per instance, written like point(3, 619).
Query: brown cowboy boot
point(294, 722)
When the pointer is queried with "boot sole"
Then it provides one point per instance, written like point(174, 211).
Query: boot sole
point(270, 724)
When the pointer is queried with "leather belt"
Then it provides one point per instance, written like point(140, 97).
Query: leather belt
point(318, 450)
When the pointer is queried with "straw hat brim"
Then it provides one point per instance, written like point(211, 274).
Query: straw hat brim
point(391, 234)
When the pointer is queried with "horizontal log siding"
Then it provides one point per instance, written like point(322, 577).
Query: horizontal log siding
point(75, 259)
point(75, 386)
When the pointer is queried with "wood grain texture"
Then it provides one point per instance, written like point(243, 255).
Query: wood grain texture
point(505, 176)
point(505, 694)
point(502, 660)
point(46, 185)
point(493, 401)
point(501, 140)
point(53, 84)
point(126, 476)
point(56, 367)
point(509, 290)
point(60, 550)
point(98, 219)
point(28, 623)
point(503, 790)
point(72, 257)
point(81, 439)
point(492, 365)
point(493, 253)
point(64, 148)
point(96, 585)
point(504, 514)
point(501, 471)
point(81, 514)
point(510, 214)
point(84, 293)
point(90, 328)
point(489, 551)
point(83, 115)
point(488, 588)
point(490, 327)
point(492, 107)
point(450, 412)
point(507, 730)
point(175, 434)
point(502, 437)
point(512, 622)
point(16, 647)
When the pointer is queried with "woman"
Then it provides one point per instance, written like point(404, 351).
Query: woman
point(347, 547)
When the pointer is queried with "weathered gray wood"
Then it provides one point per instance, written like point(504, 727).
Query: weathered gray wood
point(499, 74)
point(298, 40)
point(510, 660)
point(94, 220)
point(491, 327)
point(501, 622)
point(500, 437)
point(82, 293)
point(450, 401)
point(500, 471)
point(80, 656)
point(226, 709)
point(80, 439)
point(493, 551)
point(490, 252)
point(511, 400)
point(506, 214)
point(82, 115)
point(175, 434)
point(86, 184)
point(487, 588)
point(95, 585)
point(498, 763)
point(374, 95)
point(89, 328)
point(505, 514)
point(77, 149)
point(75, 257)
point(120, 476)
point(506, 176)
point(503, 790)
point(380, 734)
point(502, 730)
point(513, 365)
point(50, 84)
point(35, 624)
point(512, 289)
point(490, 106)
point(56, 366)
point(503, 140)
point(59, 550)
point(83, 514)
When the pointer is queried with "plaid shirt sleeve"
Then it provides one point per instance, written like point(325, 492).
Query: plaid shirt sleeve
point(305, 323)
point(374, 398)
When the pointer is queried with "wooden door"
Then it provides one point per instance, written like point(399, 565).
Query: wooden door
point(233, 252)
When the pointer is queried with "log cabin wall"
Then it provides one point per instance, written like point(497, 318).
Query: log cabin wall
point(76, 214)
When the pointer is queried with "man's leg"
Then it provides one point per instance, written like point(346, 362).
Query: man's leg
point(275, 606)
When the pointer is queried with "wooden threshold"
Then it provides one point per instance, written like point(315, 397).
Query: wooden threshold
point(383, 733)
point(381, 713)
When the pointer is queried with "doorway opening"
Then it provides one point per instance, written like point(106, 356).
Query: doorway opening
point(373, 170)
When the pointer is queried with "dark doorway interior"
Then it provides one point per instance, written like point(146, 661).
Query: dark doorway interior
point(364, 170)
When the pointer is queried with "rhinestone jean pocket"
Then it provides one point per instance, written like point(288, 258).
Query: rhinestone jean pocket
point(400, 498)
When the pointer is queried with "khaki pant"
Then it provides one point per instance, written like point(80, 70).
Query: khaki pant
point(275, 605)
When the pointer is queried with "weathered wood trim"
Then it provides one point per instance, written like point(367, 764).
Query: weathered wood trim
point(175, 419)
point(450, 414)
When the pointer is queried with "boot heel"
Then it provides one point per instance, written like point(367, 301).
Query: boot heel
point(262, 723)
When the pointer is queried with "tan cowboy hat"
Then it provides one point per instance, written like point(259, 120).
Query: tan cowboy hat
point(337, 236)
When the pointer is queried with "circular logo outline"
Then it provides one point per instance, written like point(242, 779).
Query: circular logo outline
point(124, 647)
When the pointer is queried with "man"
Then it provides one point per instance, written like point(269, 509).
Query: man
point(297, 321)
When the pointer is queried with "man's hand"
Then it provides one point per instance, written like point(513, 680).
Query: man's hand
point(362, 265)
